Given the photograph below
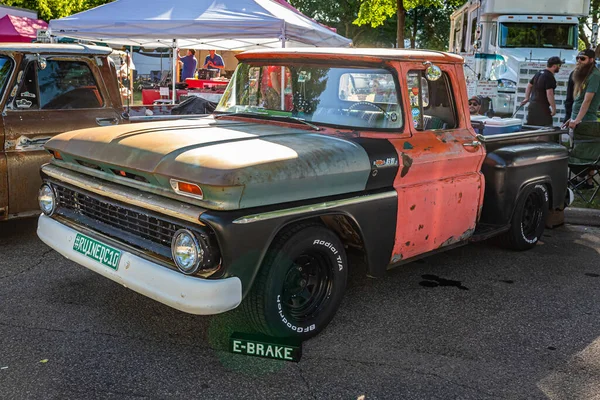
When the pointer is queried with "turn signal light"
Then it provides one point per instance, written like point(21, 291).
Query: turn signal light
point(55, 154)
point(187, 189)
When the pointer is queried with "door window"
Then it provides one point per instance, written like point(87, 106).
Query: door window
point(5, 70)
point(432, 104)
point(67, 85)
point(27, 95)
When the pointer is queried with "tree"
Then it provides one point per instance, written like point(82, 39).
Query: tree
point(52, 9)
point(376, 12)
point(336, 14)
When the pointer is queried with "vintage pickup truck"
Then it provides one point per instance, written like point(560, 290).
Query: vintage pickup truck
point(45, 90)
point(311, 152)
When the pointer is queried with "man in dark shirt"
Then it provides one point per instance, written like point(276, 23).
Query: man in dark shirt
point(541, 92)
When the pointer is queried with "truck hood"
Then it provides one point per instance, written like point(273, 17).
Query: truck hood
point(514, 56)
point(237, 164)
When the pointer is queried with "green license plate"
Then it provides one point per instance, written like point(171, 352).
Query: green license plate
point(98, 251)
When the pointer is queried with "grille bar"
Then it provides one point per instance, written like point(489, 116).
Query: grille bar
point(147, 227)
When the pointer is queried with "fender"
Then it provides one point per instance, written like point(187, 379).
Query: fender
point(509, 169)
point(245, 236)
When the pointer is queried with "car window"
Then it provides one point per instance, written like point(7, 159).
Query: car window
point(27, 95)
point(432, 103)
point(353, 97)
point(5, 70)
point(67, 85)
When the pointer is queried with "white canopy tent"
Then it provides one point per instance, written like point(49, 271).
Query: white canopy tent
point(199, 24)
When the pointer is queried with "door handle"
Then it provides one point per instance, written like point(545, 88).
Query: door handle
point(107, 121)
point(474, 144)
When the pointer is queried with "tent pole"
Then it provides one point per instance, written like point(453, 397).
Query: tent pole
point(173, 72)
point(282, 85)
point(130, 60)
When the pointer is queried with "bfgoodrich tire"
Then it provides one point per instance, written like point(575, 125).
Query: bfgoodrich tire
point(529, 218)
point(300, 284)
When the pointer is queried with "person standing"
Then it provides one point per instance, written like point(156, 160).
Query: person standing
point(586, 84)
point(189, 65)
point(214, 62)
point(541, 92)
point(584, 119)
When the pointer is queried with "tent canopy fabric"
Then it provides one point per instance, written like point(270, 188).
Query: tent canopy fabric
point(200, 24)
point(19, 29)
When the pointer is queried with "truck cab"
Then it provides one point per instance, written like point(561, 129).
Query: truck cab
point(310, 152)
point(500, 35)
point(46, 90)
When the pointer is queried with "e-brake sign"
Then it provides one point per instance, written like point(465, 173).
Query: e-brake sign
point(265, 346)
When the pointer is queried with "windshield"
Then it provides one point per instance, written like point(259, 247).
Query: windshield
point(348, 97)
point(533, 35)
point(5, 69)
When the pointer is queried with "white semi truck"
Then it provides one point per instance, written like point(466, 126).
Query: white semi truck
point(498, 35)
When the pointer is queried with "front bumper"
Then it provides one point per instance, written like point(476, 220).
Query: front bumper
point(185, 293)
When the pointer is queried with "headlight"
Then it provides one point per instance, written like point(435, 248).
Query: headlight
point(187, 252)
point(47, 199)
point(506, 84)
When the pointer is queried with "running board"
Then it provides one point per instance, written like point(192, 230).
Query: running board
point(486, 231)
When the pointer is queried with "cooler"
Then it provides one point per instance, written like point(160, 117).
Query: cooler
point(496, 125)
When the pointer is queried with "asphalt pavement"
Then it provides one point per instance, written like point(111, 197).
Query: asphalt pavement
point(477, 322)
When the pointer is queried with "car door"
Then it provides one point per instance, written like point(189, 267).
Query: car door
point(7, 65)
point(52, 95)
point(439, 183)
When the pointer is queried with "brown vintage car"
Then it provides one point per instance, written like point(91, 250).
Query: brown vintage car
point(47, 89)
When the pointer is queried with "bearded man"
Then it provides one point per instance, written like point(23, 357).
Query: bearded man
point(586, 84)
point(584, 119)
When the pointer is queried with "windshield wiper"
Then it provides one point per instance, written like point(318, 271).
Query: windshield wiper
point(266, 114)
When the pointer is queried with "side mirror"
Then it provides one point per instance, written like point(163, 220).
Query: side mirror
point(42, 64)
point(433, 72)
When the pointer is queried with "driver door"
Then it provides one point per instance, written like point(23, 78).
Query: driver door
point(64, 95)
point(439, 184)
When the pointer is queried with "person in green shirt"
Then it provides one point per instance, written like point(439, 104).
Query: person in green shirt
point(584, 120)
point(586, 91)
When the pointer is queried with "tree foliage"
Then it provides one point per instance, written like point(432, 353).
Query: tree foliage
point(52, 9)
point(377, 12)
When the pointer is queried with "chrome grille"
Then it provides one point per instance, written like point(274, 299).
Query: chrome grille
point(125, 219)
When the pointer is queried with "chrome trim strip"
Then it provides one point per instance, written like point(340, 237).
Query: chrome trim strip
point(314, 207)
point(159, 204)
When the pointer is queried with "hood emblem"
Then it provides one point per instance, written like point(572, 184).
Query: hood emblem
point(388, 162)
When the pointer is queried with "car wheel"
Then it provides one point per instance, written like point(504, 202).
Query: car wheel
point(529, 218)
point(300, 284)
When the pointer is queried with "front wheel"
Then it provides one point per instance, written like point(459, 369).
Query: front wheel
point(300, 284)
point(529, 218)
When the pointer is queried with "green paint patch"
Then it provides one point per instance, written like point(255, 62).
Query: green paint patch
point(408, 146)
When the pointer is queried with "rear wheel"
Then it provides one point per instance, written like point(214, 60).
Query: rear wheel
point(300, 284)
point(529, 218)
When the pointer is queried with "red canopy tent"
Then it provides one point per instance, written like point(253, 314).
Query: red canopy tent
point(20, 29)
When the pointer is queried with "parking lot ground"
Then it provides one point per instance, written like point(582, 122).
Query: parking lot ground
point(477, 322)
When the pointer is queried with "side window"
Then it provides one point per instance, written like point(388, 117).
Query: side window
point(67, 85)
point(493, 33)
point(27, 96)
point(473, 31)
point(432, 103)
point(375, 88)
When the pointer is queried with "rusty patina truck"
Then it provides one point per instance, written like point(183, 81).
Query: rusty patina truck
point(311, 152)
point(45, 90)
